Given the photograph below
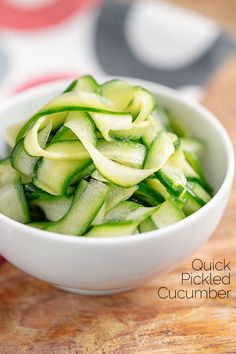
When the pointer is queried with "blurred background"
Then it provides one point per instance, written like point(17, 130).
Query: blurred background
point(179, 43)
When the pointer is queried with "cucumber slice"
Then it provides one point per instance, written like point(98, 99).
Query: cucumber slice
point(83, 174)
point(141, 213)
point(162, 116)
point(13, 202)
point(152, 130)
point(194, 171)
point(32, 192)
point(71, 87)
point(53, 207)
point(79, 101)
point(173, 180)
point(177, 160)
point(168, 213)
point(196, 197)
point(194, 163)
point(86, 125)
point(66, 150)
point(193, 146)
point(119, 92)
point(161, 149)
point(118, 174)
point(23, 162)
point(56, 119)
point(99, 219)
point(147, 195)
point(113, 229)
point(96, 175)
point(203, 196)
point(63, 134)
point(178, 127)
point(142, 104)
point(43, 187)
point(87, 83)
point(136, 132)
point(118, 194)
point(38, 224)
point(88, 199)
point(11, 133)
point(189, 172)
point(127, 153)
point(107, 122)
point(7, 173)
point(128, 227)
point(134, 99)
point(120, 211)
point(147, 225)
point(192, 204)
point(158, 187)
point(33, 148)
point(136, 231)
point(58, 175)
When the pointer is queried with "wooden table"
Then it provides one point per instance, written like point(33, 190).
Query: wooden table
point(37, 318)
point(223, 12)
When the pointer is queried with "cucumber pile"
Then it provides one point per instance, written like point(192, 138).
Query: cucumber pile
point(102, 161)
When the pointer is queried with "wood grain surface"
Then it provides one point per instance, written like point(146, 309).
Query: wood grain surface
point(37, 318)
point(223, 12)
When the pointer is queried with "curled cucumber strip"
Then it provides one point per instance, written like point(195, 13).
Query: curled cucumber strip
point(133, 99)
point(160, 151)
point(11, 133)
point(141, 214)
point(124, 152)
point(86, 100)
point(107, 122)
point(118, 174)
point(143, 103)
point(124, 227)
point(31, 142)
point(70, 101)
point(66, 151)
point(136, 132)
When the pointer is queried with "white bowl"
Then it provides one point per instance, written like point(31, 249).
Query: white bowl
point(110, 265)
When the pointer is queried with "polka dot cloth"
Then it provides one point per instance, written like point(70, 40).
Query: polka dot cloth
point(45, 40)
point(15, 16)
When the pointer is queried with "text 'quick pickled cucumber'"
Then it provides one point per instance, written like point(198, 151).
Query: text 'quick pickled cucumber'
point(102, 161)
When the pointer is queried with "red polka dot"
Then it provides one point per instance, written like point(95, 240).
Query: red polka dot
point(18, 17)
point(42, 80)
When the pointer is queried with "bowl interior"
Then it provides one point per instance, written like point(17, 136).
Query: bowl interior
point(199, 122)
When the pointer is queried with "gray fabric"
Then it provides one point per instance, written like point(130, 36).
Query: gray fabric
point(116, 58)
